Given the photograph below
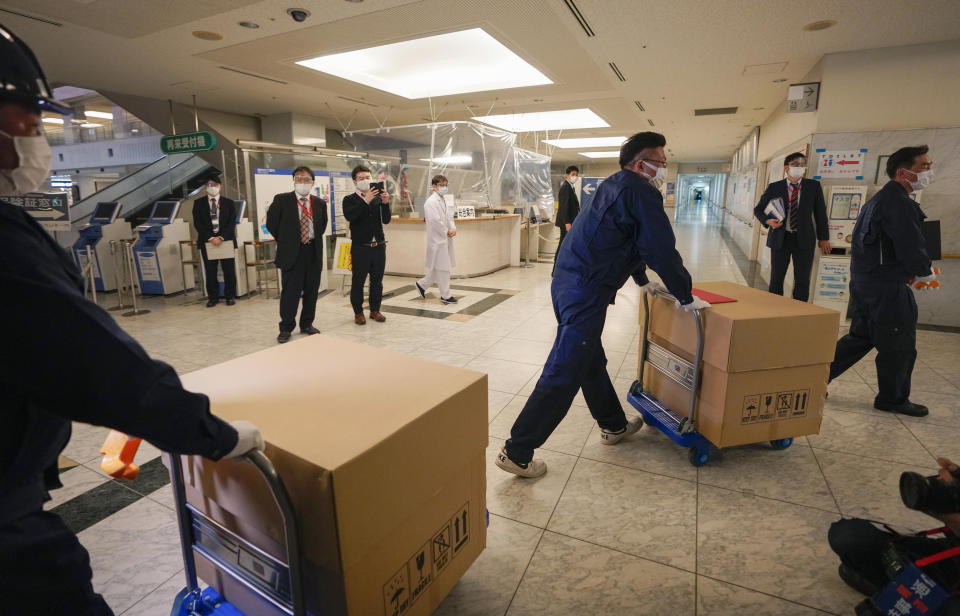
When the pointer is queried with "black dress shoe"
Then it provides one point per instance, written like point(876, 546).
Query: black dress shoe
point(856, 581)
point(283, 337)
point(211, 303)
point(231, 302)
point(423, 293)
point(904, 408)
point(449, 300)
point(311, 330)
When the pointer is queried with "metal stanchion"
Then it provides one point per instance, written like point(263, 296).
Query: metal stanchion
point(91, 272)
point(117, 276)
point(128, 257)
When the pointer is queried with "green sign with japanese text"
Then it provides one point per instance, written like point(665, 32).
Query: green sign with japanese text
point(187, 142)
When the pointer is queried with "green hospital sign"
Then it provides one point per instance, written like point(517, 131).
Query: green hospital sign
point(187, 142)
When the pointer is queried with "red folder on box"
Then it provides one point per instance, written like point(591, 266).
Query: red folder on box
point(713, 298)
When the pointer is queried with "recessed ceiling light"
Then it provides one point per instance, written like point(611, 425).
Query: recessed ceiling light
point(248, 24)
point(610, 154)
point(98, 114)
point(452, 63)
point(90, 125)
point(586, 142)
point(355, 1)
point(820, 25)
point(206, 35)
point(781, 80)
point(454, 159)
point(53, 120)
point(758, 108)
point(545, 120)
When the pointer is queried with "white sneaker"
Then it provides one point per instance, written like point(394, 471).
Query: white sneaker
point(534, 468)
point(612, 438)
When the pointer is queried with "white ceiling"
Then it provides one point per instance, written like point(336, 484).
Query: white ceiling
point(676, 55)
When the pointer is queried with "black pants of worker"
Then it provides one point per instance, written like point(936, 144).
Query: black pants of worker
point(556, 255)
point(576, 361)
point(884, 317)
point(860, 544)
point(229, 278)
point(301, 280)
point(367, 261)
point(802, 264)
point(45, 570)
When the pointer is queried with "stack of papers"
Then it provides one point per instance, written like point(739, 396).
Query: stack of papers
point(775, 209)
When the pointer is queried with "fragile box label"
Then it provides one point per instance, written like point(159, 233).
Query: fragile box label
point(423, 567)
point(775, 405)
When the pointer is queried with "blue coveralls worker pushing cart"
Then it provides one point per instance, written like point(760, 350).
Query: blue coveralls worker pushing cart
point(623, 229)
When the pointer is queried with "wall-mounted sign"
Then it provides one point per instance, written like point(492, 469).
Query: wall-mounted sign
point(840, 164)
point(188, 142)
point(51, 210)
point(803, 97)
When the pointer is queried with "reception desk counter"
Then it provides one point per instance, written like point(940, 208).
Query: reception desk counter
point(483, 245)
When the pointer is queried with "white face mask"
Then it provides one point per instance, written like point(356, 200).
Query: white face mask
point(572, 180)
point(34, 169)
point(923, 179)
point(363, 185)
point(213, 191)
point(660, 175)
point(443, 190)
point(303, 189)
point(796, 173)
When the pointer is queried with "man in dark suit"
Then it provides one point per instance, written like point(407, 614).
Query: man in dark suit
point(215, 219)
point(367, 210)
point(797, 204)
point(296, 220)
point(568, 206)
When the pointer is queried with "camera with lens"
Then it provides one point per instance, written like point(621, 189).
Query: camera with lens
point(298, 15)
point(930, 493)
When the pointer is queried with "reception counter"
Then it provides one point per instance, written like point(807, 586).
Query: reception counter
point(483, 245)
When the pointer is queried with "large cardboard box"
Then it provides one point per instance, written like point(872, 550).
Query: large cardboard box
point(383, 455)
point(766, 359)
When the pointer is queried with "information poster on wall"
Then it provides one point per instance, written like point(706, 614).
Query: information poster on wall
point(342, 182)
point(843, 208)
point(270, 182)
point(342, 262)
point(588, 189)
point(51, 210)
point(840, 164)
point(832, 285)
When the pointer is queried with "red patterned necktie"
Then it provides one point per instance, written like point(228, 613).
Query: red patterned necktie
point(794, 209)
point(304, 222)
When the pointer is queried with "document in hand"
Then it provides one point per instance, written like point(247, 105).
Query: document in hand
point(223, 251)
point(775, 209)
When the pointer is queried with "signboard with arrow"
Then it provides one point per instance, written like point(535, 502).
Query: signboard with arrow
point(803, 97)
point(840, 164)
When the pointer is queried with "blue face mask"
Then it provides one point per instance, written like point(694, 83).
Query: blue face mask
point(443, 190)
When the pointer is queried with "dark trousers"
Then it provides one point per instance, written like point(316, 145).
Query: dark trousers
point(563, 234)
point(46, 570)
point(860, 544)
point(802, 264)
point(229, 277)
point(577, 361)
point(372, 261)
point(884, 317)
point(303, 279)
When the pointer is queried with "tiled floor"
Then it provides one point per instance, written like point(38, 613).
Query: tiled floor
point(631, 529)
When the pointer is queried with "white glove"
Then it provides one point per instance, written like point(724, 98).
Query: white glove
point(696, 304)
point(653, 287)
point(929, 278)
point(248, 439)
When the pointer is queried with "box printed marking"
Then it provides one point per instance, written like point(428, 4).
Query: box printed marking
point(773, 405)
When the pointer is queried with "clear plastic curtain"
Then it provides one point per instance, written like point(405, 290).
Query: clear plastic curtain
point(532, 186)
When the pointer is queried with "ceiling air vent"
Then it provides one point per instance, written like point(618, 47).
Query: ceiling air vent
point(358, 101)
point(235, 70)
point(616, 71)
point(639, 105)
point(715, 111)
point(40, 19)
point(651, 122)
point(579, 17)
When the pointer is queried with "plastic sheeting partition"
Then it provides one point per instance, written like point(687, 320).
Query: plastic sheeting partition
point(472, 156)
point(529, 185)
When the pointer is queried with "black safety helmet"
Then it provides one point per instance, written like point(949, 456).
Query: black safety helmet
point(21, 78)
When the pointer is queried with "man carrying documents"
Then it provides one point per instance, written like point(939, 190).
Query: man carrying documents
point(789, 208)
point(215, 219)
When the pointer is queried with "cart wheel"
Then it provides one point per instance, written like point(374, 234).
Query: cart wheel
point(697, 457)
point(782, 443)
point(636, 389)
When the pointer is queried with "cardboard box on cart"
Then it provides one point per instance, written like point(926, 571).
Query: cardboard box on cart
point(383, 456)
point(766, 360)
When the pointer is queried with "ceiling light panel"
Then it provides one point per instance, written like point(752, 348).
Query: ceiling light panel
point(53, 120)
point(610, 154)
point(545, 120)
point(103, 115)
point(441, 65)
point(586, 142)
point(454, 159)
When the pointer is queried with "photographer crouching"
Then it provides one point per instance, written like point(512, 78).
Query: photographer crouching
point(871, 557)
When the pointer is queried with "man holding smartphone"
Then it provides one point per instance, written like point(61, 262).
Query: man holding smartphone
point(367, 210)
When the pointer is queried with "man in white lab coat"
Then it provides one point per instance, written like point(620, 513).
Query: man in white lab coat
point(441, 258)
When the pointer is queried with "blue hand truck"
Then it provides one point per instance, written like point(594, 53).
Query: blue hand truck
point(277, 585)
point(680, 430)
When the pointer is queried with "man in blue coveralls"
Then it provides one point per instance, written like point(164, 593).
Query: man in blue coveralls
point(888, 253)
point(65, 358)
point(624, 227)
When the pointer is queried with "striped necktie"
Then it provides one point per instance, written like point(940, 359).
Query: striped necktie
point(794, 206)
point(304, 221)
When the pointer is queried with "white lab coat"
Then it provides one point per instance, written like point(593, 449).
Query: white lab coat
point(440, 253)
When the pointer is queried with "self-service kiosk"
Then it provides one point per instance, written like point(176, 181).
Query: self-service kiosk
point(97, 235)
point(157, 251)
point(244, 254)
